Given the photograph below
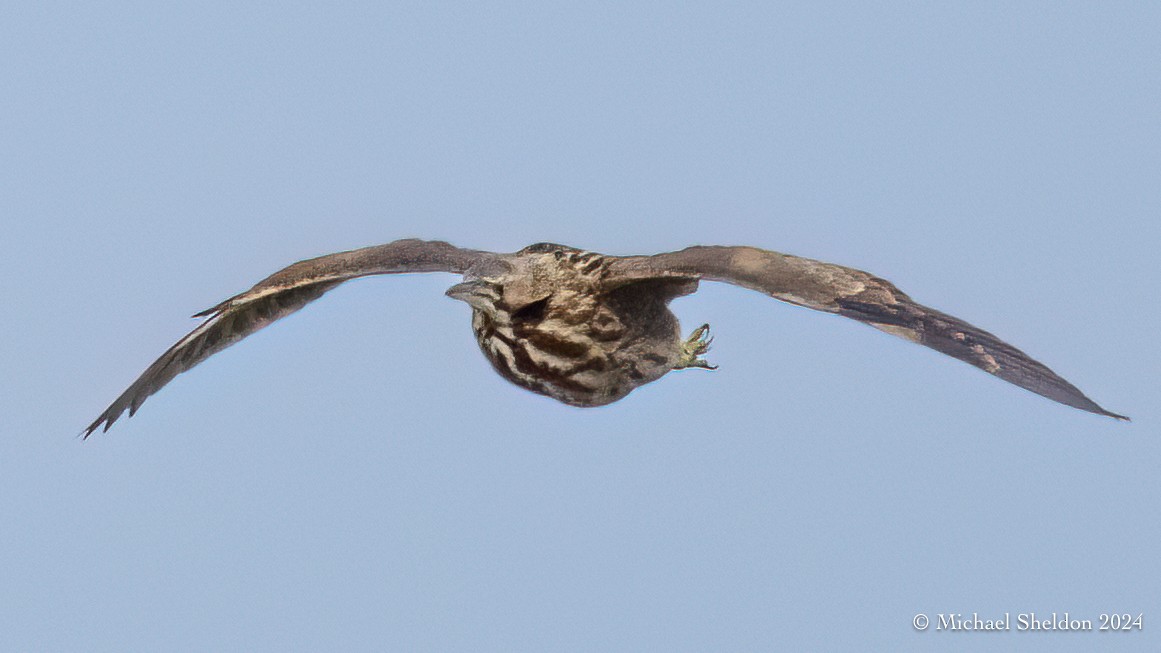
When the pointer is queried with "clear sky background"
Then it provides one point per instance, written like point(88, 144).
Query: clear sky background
point(357, 478)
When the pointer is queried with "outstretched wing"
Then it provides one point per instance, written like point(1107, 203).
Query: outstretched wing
point(864, 297)
point(277, 296)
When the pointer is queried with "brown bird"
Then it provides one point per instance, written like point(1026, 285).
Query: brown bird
point(586, 328)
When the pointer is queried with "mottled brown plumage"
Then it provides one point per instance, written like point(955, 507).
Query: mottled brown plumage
point(586, 328)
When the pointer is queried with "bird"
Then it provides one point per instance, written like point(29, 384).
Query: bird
point(586, 328)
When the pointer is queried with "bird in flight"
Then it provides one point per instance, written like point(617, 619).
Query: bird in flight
point(586, 328)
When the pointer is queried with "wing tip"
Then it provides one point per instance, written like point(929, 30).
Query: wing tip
point(1088, 405)
point(1119, 418)
point(91, 428)
point(104, 422)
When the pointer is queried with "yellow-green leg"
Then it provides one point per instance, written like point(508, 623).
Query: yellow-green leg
point(694, 347)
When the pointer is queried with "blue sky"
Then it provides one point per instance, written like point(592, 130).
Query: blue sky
point(357, 478)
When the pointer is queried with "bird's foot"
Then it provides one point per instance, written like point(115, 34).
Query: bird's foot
point(694, 347)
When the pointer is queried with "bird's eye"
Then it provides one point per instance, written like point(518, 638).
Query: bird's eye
point(558, 254)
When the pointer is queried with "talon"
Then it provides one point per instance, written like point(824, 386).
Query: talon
point(692, 349)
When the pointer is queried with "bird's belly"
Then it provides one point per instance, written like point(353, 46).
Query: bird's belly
point(574, 368)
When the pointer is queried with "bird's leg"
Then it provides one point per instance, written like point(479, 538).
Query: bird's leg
point(692, 349)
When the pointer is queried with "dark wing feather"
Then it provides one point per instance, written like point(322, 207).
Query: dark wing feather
point(867, 298)
point(277, 296)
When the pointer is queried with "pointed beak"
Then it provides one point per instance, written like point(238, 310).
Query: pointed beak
point(461, 291)
point(480, 295)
